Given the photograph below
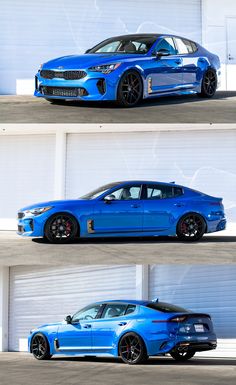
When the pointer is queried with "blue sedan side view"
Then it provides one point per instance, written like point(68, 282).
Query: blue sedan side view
point(130, 208)
point(131, 330)
point(129, 68)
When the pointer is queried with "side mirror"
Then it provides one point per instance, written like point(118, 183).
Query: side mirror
point(109, 198)
point(162, 52)
point(68, 319)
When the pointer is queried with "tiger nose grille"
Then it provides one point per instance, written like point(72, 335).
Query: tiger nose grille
point(67, 75)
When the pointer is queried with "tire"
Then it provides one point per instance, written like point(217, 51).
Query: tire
point(130, 89)
point(209, 84)
point(61, 228)
point(132, 349)
point(40, 347)
point(191, 227)
point(182, 356)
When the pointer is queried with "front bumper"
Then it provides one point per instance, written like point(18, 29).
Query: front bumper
point(32, 226)
point(94, 86)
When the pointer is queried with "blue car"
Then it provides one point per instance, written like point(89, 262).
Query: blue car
point(129, 68)
point(131, 330)
point(131, 208)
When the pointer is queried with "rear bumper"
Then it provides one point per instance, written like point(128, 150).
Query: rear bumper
point(196, 346)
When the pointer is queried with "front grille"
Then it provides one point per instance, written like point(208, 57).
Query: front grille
point(67, 75)
point(64, 91)
point(21, 215)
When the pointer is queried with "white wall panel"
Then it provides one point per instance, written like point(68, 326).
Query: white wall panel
point(27, 172)
point(39, 295)
point(204, 160)
point(33, 32)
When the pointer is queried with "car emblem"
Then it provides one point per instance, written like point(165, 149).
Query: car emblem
point(60, 67)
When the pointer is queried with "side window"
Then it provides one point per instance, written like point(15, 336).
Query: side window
point(184, 46)
point(177, 191)
point(126, 193)
point(130, 309)
point(114, 310)
point(167, 45)
point(88, 313)
point(155, 192)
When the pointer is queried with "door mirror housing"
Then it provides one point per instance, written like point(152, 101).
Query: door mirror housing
point(109, 198)
point(162, 52)
point(68, 319)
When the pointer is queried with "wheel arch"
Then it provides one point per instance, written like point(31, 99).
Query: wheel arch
point(192, 212)
point(45, 336)
point(139, 71)
point(61, 213)
point(127, 332)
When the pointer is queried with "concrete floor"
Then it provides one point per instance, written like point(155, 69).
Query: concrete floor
point(175, 109)
point(212, 249)
point(23, 369)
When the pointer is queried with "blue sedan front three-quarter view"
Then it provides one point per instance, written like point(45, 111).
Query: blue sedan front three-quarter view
point(129, 68)
point(129, 208)
point(130, 329)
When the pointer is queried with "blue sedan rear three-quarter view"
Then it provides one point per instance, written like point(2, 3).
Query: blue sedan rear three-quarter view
point(131, 330)
point(129, 68)
point(130, 208)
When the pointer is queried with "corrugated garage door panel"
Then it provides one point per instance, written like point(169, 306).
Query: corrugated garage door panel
point(188, 157)
point(39, 295)
point(26, 166)
point(38, 31)
point(210, 289)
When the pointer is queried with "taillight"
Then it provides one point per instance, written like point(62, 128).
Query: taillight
point(178, 319)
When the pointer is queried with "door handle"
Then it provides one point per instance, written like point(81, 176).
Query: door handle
point(179, 204)
point(178, 61)
point(135, 206)
point(87, 326)
point(122, 323)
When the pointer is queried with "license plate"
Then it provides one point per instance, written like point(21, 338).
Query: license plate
point(199, 328)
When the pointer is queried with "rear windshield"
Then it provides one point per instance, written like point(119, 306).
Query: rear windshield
point(166, 307)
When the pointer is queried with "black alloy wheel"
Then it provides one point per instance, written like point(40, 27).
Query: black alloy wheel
point(209, 84)
point(191, 227)
point(40, 347)
point(182, 354)
point(132, 349)
point(130, 89)
point(61, 228)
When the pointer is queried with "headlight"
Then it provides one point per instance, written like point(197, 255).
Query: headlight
point(105, 69)
point(38, 210)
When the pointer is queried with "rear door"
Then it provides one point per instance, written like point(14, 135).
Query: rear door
point(161, 206)
point(187, 51)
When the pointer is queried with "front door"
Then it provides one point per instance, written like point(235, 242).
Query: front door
point(231, 54)
point(122, 214)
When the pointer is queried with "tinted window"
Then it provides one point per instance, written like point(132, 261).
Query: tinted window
point(88, 313)
point(130, 309)
point(166, 307)
point(162, 192)
point(114, 310)
point(167, 45)
point(126, 193)
point(185, 46)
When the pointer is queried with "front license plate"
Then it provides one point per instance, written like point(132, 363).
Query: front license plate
point(199, 328)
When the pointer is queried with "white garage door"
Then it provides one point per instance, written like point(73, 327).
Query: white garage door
point(26, 167)
point(39, 295)
point(33, 32)
point(204, 160)
point(208, 289)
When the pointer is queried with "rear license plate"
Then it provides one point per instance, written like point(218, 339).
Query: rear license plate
point(199, 328)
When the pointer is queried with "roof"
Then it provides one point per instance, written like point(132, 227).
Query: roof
point(145, 182)
point(131, 301)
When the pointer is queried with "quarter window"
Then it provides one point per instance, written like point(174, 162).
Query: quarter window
point(185, 46)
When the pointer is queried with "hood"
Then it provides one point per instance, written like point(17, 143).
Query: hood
point(88, 60)
point(52, 203)
point(55, 324)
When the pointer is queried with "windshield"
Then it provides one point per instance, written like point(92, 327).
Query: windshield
point(126, 45)
point(166, 307)
point(99, 191)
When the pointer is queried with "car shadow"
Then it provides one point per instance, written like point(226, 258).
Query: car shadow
point(144, 240)
point(164, 361)
point(157, 101)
